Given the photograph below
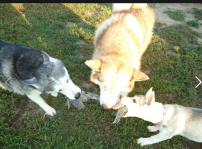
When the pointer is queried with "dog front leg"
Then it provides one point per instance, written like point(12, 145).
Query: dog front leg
point(153, 128)
point(156, 138)
point(35, 96)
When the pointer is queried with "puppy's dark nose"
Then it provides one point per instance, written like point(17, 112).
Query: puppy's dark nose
point(77, 95)
point(105, 107)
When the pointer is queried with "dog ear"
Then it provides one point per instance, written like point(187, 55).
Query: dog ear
point(32, 82)
point(28, 63)
point(150, 98)
point(139, 76)
point(45, 57)
point(94, 64)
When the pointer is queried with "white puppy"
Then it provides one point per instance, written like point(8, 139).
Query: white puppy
point(170, 120)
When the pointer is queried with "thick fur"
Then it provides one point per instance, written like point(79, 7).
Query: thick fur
point(178, 120)
point(119, 44)
point(24, 70)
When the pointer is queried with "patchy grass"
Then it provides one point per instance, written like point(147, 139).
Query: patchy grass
point(66, 31)
point(198, 13)
point(177, 15)
point(179, 35)
point(194, 23)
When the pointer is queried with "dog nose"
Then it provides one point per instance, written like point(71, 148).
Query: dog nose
point(77, 95)
point(105, 107)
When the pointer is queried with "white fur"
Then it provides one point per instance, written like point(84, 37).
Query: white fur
point(103, 26)
point(178, 120)
point(67, 87)
point(35, 96)
point(54, 94)
point(108, 92)
point(52, 59)
point(131, 23)
point(121, 6)
point(122, 29)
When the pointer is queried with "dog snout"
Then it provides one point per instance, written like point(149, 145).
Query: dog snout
point(77, 95)
point(105, 107)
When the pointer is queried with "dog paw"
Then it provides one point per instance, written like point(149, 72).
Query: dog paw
point(143, 141)
point(152, 128)
point(54, 94)
point(50, 111)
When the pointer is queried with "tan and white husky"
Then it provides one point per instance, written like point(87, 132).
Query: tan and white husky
point(119, 44)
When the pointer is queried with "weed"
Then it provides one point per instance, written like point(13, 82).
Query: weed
point(177, 15)
point(194, 23)
point(178, 35)
point(198, 13)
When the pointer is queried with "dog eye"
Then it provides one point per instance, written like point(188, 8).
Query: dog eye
point(67, 81)
point(60, 90)
point(134, 101)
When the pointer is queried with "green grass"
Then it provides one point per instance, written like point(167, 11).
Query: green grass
point(177, 15)
point(194, 23)
point(178, 35)
point(198, 13)
point(66, 31)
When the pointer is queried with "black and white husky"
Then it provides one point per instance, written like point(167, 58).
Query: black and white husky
point(24, 70)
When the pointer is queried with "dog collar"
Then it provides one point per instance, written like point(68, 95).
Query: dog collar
point(164, 113)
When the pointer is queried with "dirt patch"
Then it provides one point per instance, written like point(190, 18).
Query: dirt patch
point(88, 13)
point(81, 42)
point(167, 98)
point(31, 110)
point(147, 71)
point(190, 145)
point(91, 13)
point(70, 23)
point(187, 8)
point(172, 53)
point(106, 127)
point(86, 85)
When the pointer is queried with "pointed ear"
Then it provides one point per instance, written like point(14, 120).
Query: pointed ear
point(30, 81)
point(150, 98)
point(94, 64)
point(45, 57)
point(139, 76)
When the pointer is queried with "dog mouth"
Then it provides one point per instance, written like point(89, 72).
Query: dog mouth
point(124, 114)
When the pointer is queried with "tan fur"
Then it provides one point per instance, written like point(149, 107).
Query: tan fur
point(120, 42)
point(138, 5)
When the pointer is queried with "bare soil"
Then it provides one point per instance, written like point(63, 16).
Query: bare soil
point(187, 8)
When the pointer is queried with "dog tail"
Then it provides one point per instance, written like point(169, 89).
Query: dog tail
point(126, 6)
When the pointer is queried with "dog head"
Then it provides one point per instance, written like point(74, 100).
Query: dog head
point(47, 74)
point(144, 107)
point(113, 80)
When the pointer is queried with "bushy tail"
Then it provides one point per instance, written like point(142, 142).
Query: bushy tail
point(126, 6)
